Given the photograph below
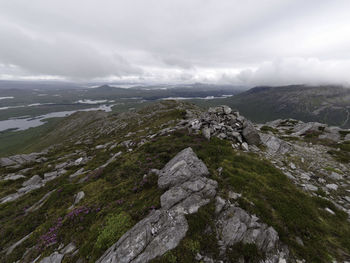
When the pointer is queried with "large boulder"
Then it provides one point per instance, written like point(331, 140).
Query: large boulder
point(250, 134)
point(21, 159)
point(302, 128)
point(163, 229)
point(274, 145)
point(331, 134)
point(184, 166)
point(235, 225)
point(347, 137)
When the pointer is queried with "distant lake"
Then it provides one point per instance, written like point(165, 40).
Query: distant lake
point(20, 124)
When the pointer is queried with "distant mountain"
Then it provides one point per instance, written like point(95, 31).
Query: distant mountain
point(326, 104)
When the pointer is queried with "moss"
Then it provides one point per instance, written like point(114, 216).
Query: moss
point(116, 226)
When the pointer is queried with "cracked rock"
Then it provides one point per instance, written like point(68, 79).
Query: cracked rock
point(163, 229)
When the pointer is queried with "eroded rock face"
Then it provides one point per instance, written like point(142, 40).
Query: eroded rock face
point(235, 225)
point(184, 166)
point(274, 145)
point(57, 256)
point(21, 159)
point(250, 134)
point(163, 229)
point(31, 184)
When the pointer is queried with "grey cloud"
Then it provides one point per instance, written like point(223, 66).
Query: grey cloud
point(248, 42)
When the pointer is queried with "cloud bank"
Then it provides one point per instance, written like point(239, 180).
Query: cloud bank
point(253, 42)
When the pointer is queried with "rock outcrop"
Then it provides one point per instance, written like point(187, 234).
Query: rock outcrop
point(57, 256)
point(162, 230)
point(235, 225)
point(21, 159)
point(274, 145)
point(31, 184)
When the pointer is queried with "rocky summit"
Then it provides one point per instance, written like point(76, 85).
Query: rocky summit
point(172, 182)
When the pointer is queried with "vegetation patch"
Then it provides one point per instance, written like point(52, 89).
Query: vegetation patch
point(341, 152)
point(248, 252)
point(116, 226)
point(267, 129)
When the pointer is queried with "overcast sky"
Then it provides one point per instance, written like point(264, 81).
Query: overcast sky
point(250, 42)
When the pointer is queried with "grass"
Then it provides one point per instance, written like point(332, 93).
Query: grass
point(342, 152)
point(277, 202)
point(267, 129)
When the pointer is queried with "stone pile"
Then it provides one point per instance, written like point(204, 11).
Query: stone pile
point(224, 123)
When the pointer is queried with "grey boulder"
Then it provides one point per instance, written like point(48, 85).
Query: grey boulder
point(250, 134)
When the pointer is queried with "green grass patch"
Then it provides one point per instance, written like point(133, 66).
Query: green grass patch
point(116, 226)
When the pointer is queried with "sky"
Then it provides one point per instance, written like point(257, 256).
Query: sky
point(250, 42)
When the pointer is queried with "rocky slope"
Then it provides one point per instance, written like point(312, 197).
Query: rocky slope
point(172, 183)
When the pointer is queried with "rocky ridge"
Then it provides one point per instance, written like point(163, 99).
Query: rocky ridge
point(162, 230)
point(185, 179)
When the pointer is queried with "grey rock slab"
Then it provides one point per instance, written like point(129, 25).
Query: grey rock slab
point(184, 166)
point(6, 162)
point(336, 176)
point(163, 229)
point(310, 187)
point(206, 133)
point(173, 196)
point(219, 204)
point(78, 197)
point(235, 225)
point(274, 145)
point(53, 258)
point(12, 247)
point(245, 146)
point(250, 134)
point(329, 211)
point(302, 128)
point(332, 186)
point(347, 137)
point(13, 177)
point(40, 203)
point(151, 237)
point(36, 179)
point(335, 137)
point(68, 249)
point(77, 173)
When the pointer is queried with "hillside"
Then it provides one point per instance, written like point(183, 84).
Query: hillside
point(173, 183)
point(326, 104)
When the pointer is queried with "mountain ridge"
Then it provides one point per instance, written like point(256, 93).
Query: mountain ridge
point(274, 201)
point(326, 104)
